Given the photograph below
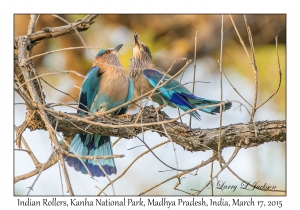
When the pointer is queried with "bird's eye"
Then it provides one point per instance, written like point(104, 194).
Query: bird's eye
point(107, 52)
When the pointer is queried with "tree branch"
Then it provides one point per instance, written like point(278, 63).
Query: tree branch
point(47, 33)
point(191, 139)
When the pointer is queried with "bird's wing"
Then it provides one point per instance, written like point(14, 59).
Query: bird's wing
point(173, 90)
point(130, 94)
point(89, 89)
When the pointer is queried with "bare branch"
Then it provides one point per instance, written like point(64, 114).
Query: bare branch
point(28, 150)
point(261, 189)
point(194, 78)
point(255, 70)
point(88, 157)
point(138, 157)
point(35, 96)
point(221, 89)
point(40, 172)
point(63, 49)
point(181, 174)
point(280, 75)
point(191, 139)
point(235, 152)
point(47, 33)
point(53, 73)
point(36, 171)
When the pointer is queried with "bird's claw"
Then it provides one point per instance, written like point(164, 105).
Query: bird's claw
point(99, 114)
point(123, 115)
point(126, 115)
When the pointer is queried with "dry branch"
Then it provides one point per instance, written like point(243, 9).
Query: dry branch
point(191, 139)
point(47, 33)
point(34, 90)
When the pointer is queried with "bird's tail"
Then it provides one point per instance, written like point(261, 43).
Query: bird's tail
point(92, 145)
point(201, 102)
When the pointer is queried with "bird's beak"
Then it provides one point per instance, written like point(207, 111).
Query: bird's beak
point(137, 40)
point(118, 47)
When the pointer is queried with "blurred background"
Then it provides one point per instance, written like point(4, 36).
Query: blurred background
point(169, 37)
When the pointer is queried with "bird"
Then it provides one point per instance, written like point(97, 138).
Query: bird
point(105, 87)
point(145, 76)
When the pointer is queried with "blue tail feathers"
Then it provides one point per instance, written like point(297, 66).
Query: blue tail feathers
point(215, 109)
point(93, 145)
point(200, 102)
point(183, 104)
point(189, 101)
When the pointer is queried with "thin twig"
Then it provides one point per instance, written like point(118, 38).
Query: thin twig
point(138, 157)
point(88, 157)
point(76, 31)
point(261, 189)
point(115, 142)
point(36, 171)
point(28, 150)
point(101, 190)
point(27, 101)
point(58, 89)
point(211, 174)
point(50, 74)
point(169, 137)
point(40, 172)
point(63, 49)
point(236, 89)
point(235, 152)
point(221, 91)
point(111, 183)
point(255, 70)
point(59, 169)
point(280, 75)
point(181, 174)
point(21, 129)
point(194, 78)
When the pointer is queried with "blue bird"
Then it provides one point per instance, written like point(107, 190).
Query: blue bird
point(146, 76)
point(105, 86)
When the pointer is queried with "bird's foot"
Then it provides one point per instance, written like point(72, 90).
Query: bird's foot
point(100, 114)
point(123, 115)
point(108, 115)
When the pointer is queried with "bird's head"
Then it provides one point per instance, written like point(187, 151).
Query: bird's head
point(140, 50)
point(108, 56)
point(141, 55)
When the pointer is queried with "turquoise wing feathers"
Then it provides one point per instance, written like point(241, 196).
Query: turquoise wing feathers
point(98, 94)
point(180, 96)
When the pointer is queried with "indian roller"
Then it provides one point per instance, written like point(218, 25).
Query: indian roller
point(146, 76)
point(105, 86)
